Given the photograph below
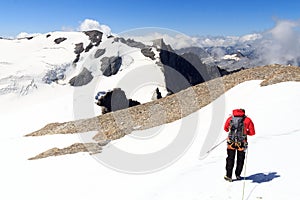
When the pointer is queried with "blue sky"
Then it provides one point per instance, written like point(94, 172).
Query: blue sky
point(198, 17)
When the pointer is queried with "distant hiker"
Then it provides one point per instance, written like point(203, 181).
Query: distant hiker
point(239, 126)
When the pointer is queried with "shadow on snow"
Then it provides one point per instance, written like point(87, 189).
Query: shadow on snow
point(262, 177)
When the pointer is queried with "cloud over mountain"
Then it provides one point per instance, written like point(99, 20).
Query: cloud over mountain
point(89, 24)
point(175, 39)
point(281, 44)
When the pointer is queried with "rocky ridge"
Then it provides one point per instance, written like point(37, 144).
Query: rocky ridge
point(117, 124)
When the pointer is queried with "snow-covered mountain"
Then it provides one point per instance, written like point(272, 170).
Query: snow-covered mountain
point(54, 77)
point(235, 56)
point(233, 52)
point(70, 58)
point(74, 59)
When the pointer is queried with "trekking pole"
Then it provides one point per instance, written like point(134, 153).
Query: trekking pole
point(216, 146)
point(245, 174)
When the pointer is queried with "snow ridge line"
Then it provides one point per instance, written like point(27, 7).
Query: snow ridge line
point(117, 124)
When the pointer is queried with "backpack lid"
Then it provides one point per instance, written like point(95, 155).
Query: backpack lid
point(238, 112)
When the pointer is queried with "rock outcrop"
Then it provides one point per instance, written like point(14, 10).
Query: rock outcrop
point(115, 125)
point(111, 65)
point(59, 40)
point(115, 100)
point(95, 36)
point(81, 79)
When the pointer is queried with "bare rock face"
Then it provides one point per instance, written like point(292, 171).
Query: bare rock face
point(111, 65)
point(157, 94)
point(81, 79)
point(182, 71)
point(115, 100)
point(99, 53)
point(89, 47)
point(93, 148)
point(131, 43)
point(148, 53)
point(76, 59)
point(78, 48)
point(95, 36)
point(59, 40)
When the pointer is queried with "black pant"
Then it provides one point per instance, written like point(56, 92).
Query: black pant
point(230, 162)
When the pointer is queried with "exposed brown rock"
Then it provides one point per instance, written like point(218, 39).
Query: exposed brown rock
point(115, 125)
point(93, 148)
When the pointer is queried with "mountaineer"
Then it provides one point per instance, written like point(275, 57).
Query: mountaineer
point(239, 126)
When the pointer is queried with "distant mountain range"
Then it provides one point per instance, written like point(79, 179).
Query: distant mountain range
point(229, 57)
point(79, 58)
point(248, 51)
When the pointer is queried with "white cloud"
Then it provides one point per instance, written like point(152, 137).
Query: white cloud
point(215, 42)
point(250, 37)
point(175, 40)
point(89, 24)
point(227, 40)
point(284, 30)
point(281, 44)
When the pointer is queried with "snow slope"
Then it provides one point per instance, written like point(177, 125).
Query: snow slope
point(26, 65)
point(272, 161)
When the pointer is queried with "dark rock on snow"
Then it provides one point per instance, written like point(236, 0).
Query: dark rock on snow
point(185, 70)
point(111, 65)
point(59, 40)
point(157, 94)
point(78, 48)
point(148, 53)
point(115, 100)
point(81, 79)
point(95, 36)
point(76, 59)
point(88, 47)
point(99, 53)
point(131, 42)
